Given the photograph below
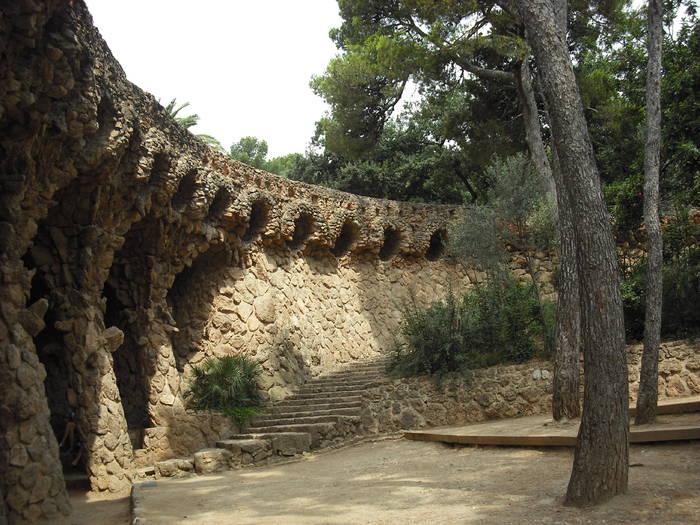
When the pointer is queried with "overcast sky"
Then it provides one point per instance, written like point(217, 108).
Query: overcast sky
point(244, 66)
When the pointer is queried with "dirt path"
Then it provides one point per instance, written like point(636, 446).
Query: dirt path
point(411, 482)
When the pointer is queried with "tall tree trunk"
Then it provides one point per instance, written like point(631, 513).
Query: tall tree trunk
point(601, 457)
point(567, 339)
point(649, 376)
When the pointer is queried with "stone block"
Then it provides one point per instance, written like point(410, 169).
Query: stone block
point(209, 460)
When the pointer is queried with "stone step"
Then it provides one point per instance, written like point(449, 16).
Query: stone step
point(272, 414)
point(324, 389)
point(373, 369)
point(281, 443)
point(313, 405)
point(320, 432)
point(339, 394)
point(284, 421)
point(349, 382)
point(340, 401)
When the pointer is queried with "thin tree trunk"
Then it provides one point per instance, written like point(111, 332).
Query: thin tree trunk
point(649, 376)
point(601, 457)
point(567, 339)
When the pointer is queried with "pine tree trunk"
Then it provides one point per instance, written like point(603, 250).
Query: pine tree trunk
point(567, 342)
point(601, 457)
point(649, 376)
point(567, 374)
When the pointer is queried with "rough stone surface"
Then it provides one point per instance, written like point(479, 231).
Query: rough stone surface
point(130, 251)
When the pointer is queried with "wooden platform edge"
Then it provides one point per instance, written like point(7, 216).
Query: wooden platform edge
point(673, 406)
point(508, 441)
point(636, 436)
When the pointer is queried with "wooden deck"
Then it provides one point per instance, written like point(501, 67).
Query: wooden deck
point(679, 419)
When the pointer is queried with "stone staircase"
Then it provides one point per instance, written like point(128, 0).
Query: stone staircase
point(323, 412)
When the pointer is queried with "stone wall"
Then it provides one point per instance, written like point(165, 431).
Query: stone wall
point(507, 391)
point(114, 224)
point(130, 250)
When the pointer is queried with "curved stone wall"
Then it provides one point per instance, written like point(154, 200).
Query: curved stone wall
point(130, 250)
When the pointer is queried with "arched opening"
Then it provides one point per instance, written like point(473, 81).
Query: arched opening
point(259, 215)
point(160, 167)
point(185, 190)
point(129, 367)
point(191, 299)
point(391, 245)
point(222, 200)
point(62, 399)
point(436, 247)
point(346, 238)
point(303, 228)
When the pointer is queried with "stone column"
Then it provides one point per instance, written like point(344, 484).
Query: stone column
point(101, 415)
point(31, 477)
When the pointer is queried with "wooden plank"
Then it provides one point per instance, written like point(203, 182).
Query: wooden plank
point(514, 440)
point(664, 434)
point(509, 441)
point(681, 405)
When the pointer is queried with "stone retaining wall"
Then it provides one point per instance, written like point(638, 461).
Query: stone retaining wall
point(507, 391)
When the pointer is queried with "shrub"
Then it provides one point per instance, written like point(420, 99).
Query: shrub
point(227, 385)
point(490, 324)
point(680, 315)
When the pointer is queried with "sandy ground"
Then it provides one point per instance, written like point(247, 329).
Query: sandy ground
point(401, 481)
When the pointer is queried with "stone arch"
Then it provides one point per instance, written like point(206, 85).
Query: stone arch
point(222, 200)
point(436, 245)
point(202, 275)
point(185, 190)
point(257, 220)
point(303, 229)
point(391, 244)
point(129, 364)
point(346, 239)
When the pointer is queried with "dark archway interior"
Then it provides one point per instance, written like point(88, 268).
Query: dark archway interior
point(190, 307)
point(391, 244)
point(346, 239)
point(129, 368)
point(221, 202)
point(259, 215)
point(61, 398)
point(303, 228)
point(185, 190)
point(437, 245)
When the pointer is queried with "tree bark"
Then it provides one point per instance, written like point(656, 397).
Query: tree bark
point(601, 457)
point(567, 339)
point(649, 375)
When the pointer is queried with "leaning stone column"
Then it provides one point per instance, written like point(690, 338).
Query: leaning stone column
point(101, 415)
point(31, 477)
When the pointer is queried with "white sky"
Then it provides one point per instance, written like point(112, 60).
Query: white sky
point(244, 66)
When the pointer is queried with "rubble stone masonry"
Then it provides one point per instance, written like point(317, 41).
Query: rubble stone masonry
point(129, 251)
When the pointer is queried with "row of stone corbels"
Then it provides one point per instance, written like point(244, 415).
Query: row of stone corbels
point(214, 205)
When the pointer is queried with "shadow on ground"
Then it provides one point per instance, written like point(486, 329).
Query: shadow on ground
point(401, 481)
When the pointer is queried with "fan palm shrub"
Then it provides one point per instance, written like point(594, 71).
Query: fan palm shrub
point(227, 385)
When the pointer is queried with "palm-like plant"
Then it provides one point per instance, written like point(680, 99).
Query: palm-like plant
point(227, 385)
point(187, 122)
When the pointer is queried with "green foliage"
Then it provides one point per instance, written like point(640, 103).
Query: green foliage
point(251, 151)
point(189, 121)
point(517, 216)
point(490, 324)
point(227, 385)
point(680, 315)
point(173, 110)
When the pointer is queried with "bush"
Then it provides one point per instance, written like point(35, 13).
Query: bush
point(227, 385)
point(680, 315)
point(491, 324)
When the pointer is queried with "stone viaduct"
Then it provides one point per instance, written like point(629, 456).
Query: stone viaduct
point(129, 250)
